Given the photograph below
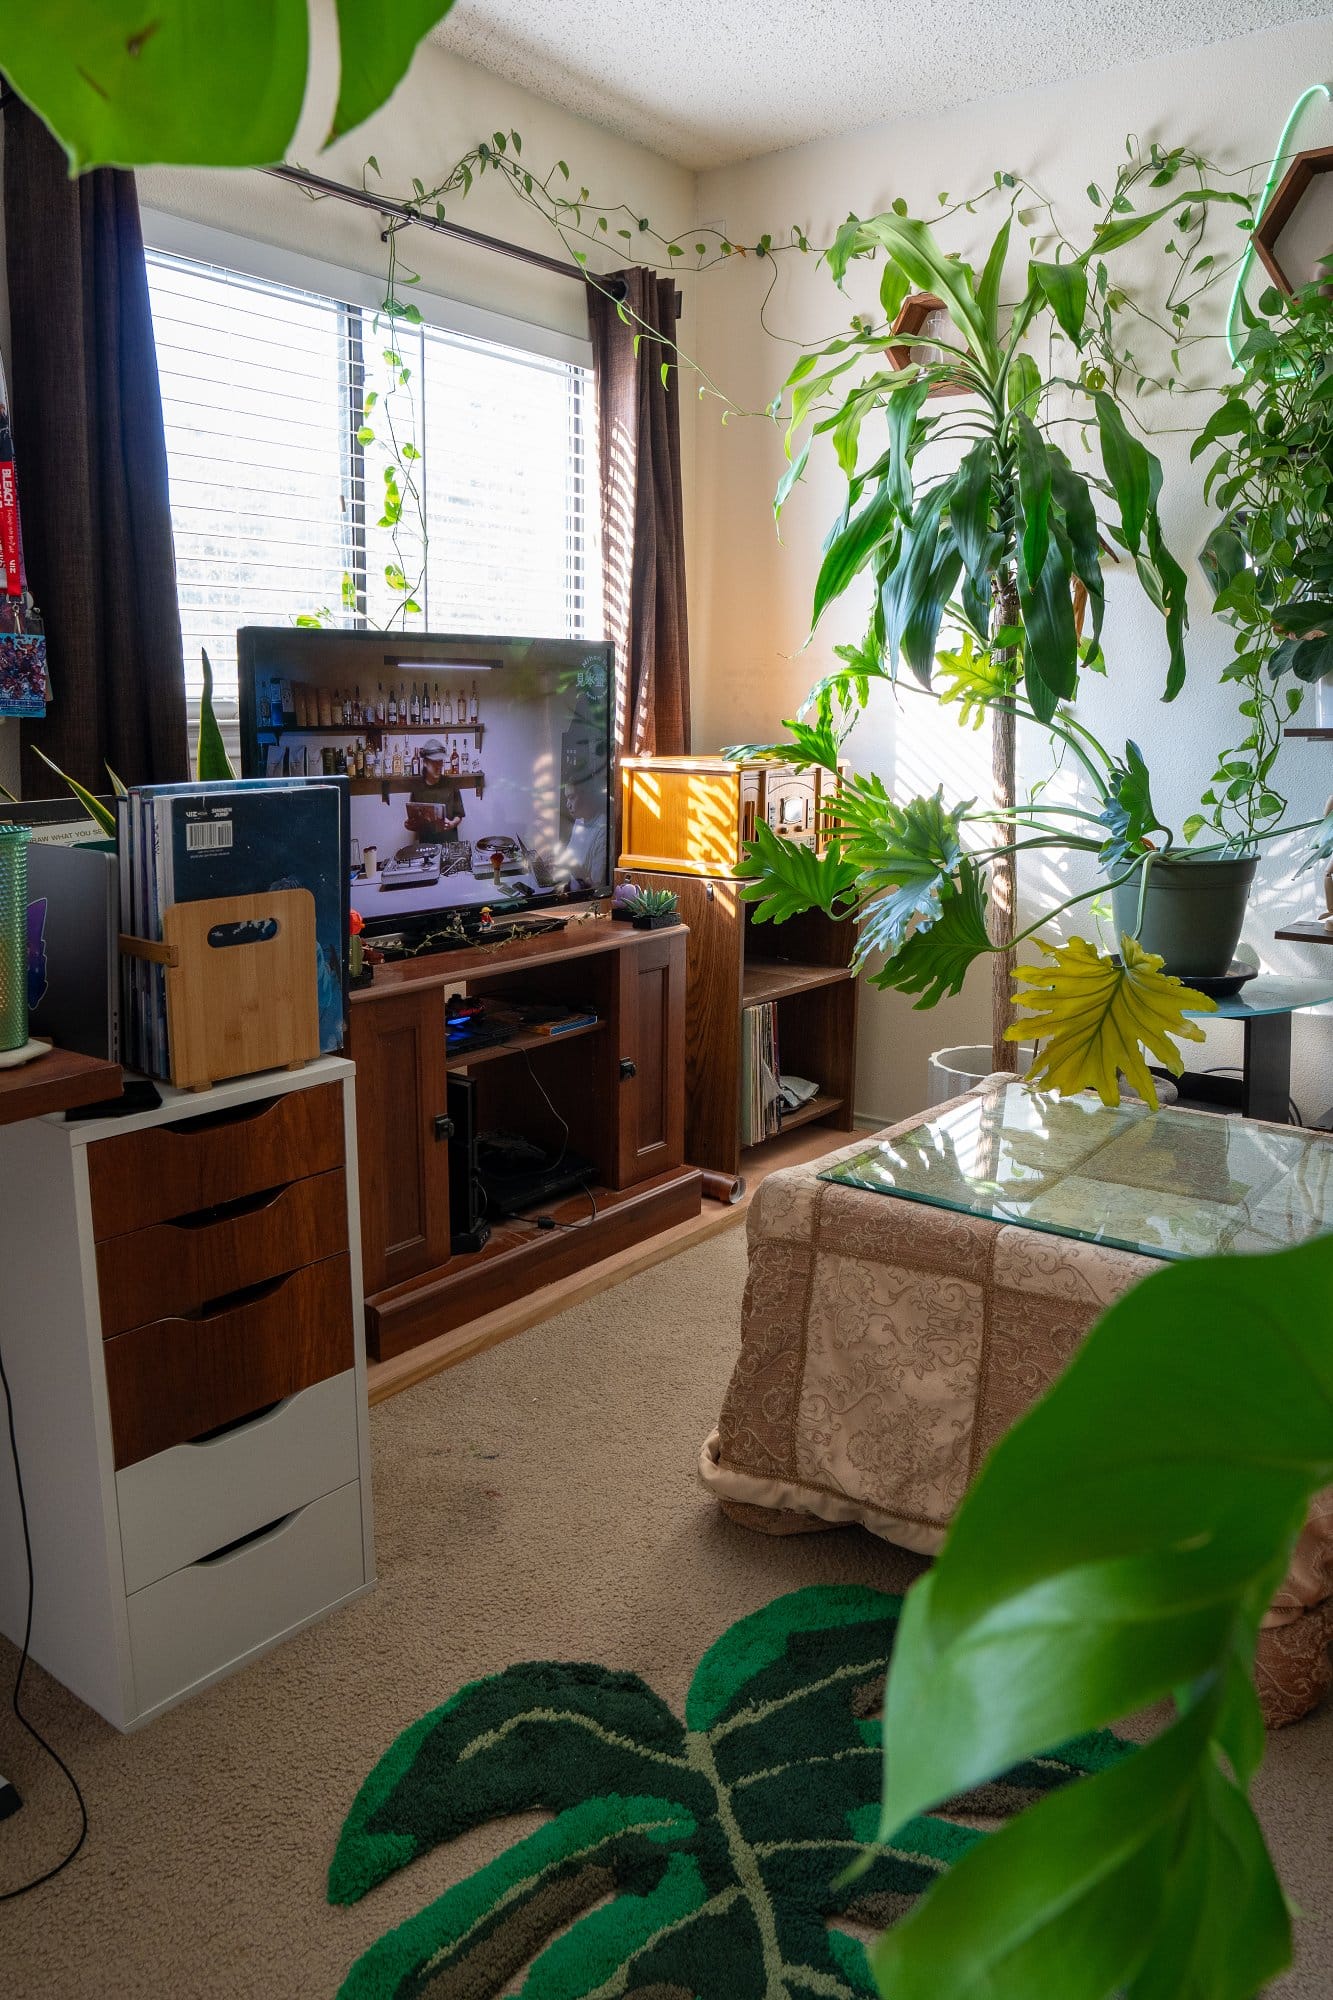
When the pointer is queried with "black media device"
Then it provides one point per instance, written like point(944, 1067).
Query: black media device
point(468, 1230)
point(516, 1174)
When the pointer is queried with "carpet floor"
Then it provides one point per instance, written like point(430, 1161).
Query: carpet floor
point(538, 1502)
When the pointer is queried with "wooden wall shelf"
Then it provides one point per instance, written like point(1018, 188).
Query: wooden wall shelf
point(1306, 931)
point(1311, 735)
point(465, 780)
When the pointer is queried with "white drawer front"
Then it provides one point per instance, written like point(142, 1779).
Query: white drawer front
point(208, 1617)
point(182, 1503)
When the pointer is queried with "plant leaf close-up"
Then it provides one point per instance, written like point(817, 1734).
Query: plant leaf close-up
point(1094, 1015)
point(1147, 1531)
point(181, 82)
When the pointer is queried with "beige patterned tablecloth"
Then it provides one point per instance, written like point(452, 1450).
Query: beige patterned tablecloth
point(886, 1345)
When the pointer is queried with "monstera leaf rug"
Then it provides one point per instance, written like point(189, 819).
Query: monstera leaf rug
point(695, 1860)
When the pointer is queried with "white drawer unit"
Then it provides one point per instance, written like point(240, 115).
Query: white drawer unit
point(182, 1330)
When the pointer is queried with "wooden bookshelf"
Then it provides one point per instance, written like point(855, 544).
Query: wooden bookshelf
point(734, 963)
point(777, 978)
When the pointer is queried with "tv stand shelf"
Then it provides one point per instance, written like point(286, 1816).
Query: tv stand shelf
point(517, 1045)
point(619, 1090)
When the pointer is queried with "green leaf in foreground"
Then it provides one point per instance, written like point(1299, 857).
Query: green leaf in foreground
point(1119, 1546)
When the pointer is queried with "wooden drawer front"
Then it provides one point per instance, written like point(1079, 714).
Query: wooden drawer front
point(199, 1621)
point(194, 1163)
point(177, 1267)
point(177, 1378)
point(180, 1504)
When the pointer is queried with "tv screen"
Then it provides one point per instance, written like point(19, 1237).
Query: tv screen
point(480, 770)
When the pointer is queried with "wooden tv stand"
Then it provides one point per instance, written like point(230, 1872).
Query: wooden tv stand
point(620, 1086)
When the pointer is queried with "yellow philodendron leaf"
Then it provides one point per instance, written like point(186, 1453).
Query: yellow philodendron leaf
point(1094, 1018)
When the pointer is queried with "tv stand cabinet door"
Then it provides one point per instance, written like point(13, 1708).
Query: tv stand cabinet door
point(397, 1043)
point(650, 1127)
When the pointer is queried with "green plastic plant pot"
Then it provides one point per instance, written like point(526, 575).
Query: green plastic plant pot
point(13, 936)
point(1192, 913)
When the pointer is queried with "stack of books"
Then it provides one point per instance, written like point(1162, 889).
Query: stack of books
point(237, 837)
point(761, 1100)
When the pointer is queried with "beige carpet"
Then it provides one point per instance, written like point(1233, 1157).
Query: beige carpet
point(537, 1502)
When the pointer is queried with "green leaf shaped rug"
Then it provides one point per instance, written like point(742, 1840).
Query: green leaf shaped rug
point(695, 1860)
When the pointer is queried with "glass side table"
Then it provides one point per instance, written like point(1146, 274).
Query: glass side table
point(1168, 1184)
point(1263, 1090)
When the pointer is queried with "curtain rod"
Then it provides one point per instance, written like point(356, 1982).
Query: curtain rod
point(402, 213)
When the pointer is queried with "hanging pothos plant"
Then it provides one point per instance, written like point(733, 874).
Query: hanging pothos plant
point(1270, 558)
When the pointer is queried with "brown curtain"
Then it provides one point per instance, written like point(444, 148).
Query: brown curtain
point(643, 541)
point(92, 469)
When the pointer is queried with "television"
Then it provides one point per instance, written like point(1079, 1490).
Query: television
point(480, 770)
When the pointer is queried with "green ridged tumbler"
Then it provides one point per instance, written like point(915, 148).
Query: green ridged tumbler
point(14, 936)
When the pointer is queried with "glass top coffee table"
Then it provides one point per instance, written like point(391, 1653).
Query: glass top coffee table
point(1170, 1184)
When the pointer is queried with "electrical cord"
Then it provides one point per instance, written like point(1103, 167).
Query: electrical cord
point(8, 1895)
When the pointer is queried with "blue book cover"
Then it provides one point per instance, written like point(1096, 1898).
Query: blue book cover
point(245, 840)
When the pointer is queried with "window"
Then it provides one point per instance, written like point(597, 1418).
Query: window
point(277, 491)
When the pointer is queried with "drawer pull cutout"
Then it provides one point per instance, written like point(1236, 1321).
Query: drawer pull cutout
point(227, 1211)
point(241, 1423)
point(244, 1295)
point(264, 1534)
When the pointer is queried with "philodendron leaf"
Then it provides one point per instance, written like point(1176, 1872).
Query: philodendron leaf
point(211, 759)
point(1115, 1547)
point(783, 878)
point(906, 857)
point(708, 1857)
point(935, 959)
point(975, 677)
point(1094, 1017)
point(1129, 814)
point(377, 44)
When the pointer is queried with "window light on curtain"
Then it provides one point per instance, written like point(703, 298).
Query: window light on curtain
point(275, 499)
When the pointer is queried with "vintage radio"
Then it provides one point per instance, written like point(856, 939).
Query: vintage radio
point(694, 815)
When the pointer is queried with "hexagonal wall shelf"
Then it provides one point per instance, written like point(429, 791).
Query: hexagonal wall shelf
point(1305, 170)
point(920, 314)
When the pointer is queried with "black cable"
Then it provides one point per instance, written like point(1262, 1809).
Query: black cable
point(8, 1895)
point(561, 1122)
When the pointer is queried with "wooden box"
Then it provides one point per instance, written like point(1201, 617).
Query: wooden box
point(694, 815)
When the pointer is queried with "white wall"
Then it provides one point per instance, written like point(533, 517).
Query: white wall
point(751, 594)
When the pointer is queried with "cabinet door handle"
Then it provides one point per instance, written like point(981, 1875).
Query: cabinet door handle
point(444, 1127)
point(628, 1069)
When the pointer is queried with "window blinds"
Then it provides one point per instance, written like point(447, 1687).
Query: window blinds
point(277, 491)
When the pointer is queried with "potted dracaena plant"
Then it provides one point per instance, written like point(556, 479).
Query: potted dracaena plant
point(1005, 545)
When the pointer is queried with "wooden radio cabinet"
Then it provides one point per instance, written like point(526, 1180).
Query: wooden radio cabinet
point(685, 826)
